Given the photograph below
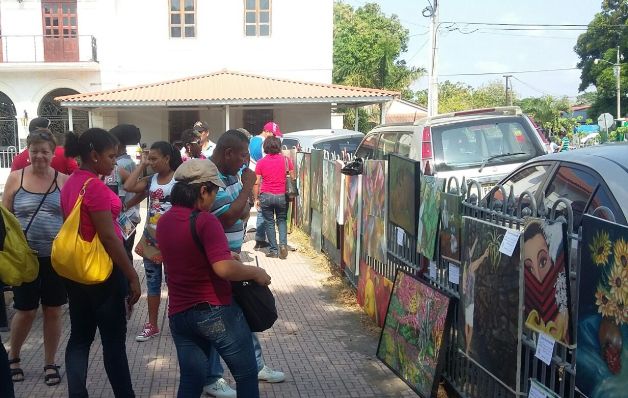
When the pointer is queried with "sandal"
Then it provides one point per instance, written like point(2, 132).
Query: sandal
point(52, 379)
point(17, 374)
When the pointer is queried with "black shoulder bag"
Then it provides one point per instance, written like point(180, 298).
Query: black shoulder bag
point(257, 302)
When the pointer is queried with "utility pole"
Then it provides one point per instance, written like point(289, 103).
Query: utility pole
point(431, 12)
point(508, 99)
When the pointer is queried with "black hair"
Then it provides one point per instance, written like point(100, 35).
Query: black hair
point(532, 230)
point(272, 145)
point(186, 195)
point(38, 122)
point(127, 134)
point(41, 135)
point(189, 135)
point(95, 139)
point(167, 149)
point(231, 139)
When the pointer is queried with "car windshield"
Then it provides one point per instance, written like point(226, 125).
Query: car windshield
point(482, 142)
point(290, 142)
point(340, 145)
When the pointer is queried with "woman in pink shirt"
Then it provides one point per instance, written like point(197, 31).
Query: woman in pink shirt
point(272, 171)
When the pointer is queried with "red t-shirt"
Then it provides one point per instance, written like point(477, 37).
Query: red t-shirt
point(191, 278)
point(59, 161)
point(272, 168)
point(97, 198)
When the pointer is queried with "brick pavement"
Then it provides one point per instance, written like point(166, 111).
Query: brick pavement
point(320, 346)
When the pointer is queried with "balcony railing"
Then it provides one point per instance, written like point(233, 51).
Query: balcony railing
point(40, 49)
point(7, 154)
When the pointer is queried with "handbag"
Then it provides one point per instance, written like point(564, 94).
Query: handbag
point(147, 247)
point(291, 185)
point(73, 257)
point(353, 168)
point(18, 262)
point(256, 301)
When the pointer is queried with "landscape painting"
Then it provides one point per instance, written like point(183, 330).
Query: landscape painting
point(352, 222)
point(490, 314)
point(429, 213)
point(373, 293)
point(450, 225)
point(316, 182)
point(602, 355)
point(403, 193)
point(413, 336)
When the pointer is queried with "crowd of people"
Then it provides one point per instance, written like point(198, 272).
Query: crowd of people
point(216, 184)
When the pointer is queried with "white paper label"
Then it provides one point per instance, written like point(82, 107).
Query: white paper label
point(433, 269)
point(509, 243)
point(536, 392)
point(545, 348)
point(454, 273)
point(401, 234)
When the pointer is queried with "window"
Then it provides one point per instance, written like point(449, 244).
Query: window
point(529, 179)
point(573, 184)
point(604, 198)
point(366, 150)
point(405, 140)
point(255, 119)
point(182, 18)
point(257, 17)
point(178, 121)
point(387, 143)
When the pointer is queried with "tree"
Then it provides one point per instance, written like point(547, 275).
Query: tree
point(548, 113)
point(460, 96)
point(607, 31)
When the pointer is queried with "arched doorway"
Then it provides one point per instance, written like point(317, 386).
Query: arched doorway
point(8, 122)
point(58, 116)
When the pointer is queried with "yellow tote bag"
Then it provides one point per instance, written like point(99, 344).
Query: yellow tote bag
point(76, 259)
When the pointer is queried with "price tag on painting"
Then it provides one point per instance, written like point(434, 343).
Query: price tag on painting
point(545, 348)
point(454, 274)
point(509, 243)
point(536, 392)
point(401, 234)
point(433, 269)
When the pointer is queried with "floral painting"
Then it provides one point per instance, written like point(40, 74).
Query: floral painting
point(316, 235)
point(490, 304)
point(373, 292)
point(546, 279)
point(316, 182)
point(331, 197)
point(374, 209)
point(429, 212)
point(304, 191)
point(602, 355)
point(402, 192)
point(413, 335)
point(450, 224)
point(352, 222)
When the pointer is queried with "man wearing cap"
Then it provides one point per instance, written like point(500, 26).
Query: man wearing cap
point(231, 207)
point(207, 147)
point(60, 162)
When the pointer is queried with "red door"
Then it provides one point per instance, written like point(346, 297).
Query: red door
point(60, 28)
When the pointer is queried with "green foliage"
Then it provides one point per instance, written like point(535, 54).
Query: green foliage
point(460, 96)
point(548, 113)
point(368, 119)
point(618, 134)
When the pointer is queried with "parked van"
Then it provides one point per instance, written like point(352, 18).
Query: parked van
point(332, 140)
point(483, 144)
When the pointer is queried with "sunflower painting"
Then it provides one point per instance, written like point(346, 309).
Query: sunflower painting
point(602, 355)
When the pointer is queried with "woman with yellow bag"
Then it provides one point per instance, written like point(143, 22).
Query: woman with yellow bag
point(97, 305)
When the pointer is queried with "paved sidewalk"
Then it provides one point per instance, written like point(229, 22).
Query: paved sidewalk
point(322, 347)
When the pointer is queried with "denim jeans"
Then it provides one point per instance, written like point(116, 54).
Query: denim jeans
point(215, 370)
point(99, 306)
point(275, 206)
point(260, 228)
point(196, 331)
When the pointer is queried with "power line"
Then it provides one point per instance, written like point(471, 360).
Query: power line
point(530, 86)
point(525, 24)
point(511, 72)
point(531, 36)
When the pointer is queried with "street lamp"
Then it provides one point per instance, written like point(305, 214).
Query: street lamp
point(617, 71)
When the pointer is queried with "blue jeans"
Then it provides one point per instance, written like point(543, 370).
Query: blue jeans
point(215, 370)
point(275, 206)
point(260, 228)
point(197, 331)
point(154, 277)
point(99, 306)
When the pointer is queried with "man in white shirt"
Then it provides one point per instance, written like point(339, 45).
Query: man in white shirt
point(207, 147)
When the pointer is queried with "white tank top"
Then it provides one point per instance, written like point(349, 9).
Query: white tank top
point(158, 200)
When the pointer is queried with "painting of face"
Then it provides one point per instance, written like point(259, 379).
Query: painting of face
point(450, 224)
point(317, 179)
point(402, 193)
point(353, 223)
point(602, 356)
point(413, 335)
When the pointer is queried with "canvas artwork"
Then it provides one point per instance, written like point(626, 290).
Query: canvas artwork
point(373, 209)
point(353, 222)
point(602, 355)
point(450, 225)
point(316, 235)
point(402, 193)
point(429, 212)
point(373, 293)
point(316, 181)
point(546, 279)
point(374, 237)
point(490, 301)
point(331, 196)
point(412, 339)
point(304, 192)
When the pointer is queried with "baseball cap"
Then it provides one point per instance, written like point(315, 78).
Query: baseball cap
point(273, 128)
point(196, 171)
point(201, 126)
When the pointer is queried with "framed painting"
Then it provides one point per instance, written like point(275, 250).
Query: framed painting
point(546, 279)
point(304, 191)
point(373, 292)
point(413, 337)
point(374, 209)
point(450, 225)
point(403, 193)
point(490, 298)
point(602, 355)
point(331, 195)
point(316, 181)
point(352, 223)
point(316, 235)
point(429, 212)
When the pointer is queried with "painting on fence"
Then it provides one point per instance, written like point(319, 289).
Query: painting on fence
point(450, 225)
point(403, 193)
point(602, 355)
point(352, 222)
point(331, 197)
point(304, 191)
point(373, 293)
point(316, 235)
point(316, 181)
point(427, 232)
point(374, 209)
point(490, 301)
point(412, 339)
point(546, 279)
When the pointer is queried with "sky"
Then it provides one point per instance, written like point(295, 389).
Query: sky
point(488, 50)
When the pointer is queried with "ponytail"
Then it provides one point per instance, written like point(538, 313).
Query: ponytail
point(167, 149)
point(94, 139)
